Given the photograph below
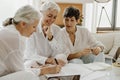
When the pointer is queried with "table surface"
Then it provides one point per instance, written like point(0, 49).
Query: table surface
point(92, 71)
point(102, 75)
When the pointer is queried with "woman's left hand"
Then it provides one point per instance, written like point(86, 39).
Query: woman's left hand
point(49, 33)
point(61, 62)
point(96, 50)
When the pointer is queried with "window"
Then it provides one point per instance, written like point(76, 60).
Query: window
point(118, 13)
point(98, 16)
point(104, 15)
point(111, 20)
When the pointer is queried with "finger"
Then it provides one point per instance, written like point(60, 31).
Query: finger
point(58, 68)
point(45, 28)
point(48, 28)
point(87, 51)
point(96, 52)
point(62, 63)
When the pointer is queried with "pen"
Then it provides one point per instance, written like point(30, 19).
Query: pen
point(92, 50)
point(56, 61)
point(38, 63)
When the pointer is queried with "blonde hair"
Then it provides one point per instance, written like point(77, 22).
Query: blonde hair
point(49, 5)
point(26, 13)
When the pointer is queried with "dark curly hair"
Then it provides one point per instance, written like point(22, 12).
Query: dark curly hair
point(71, 11)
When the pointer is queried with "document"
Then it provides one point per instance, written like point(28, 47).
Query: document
point(97, 75)
point(100, 71)
point(70, 70)
point(83, 70)
point(97, 66)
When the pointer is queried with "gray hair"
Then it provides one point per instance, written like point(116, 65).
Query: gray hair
point(26, 13)
point(49, 5)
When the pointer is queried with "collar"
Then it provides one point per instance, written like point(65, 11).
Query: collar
point(13, 29)
point(39, 27)
point(75, 31)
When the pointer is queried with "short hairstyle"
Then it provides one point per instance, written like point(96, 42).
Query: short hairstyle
point(26, 13)
point(49, 5)
point(71, 12)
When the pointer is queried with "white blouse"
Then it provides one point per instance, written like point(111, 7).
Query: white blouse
point(39, 48)
point(11, 53)
point(12, 47)
point(83, 39)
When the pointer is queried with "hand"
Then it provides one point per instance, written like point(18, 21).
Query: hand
point(51, 69)
point(61, 62)
point(33, 64)
point(85, 51)
point(50, 61)
point(96, 50)
point(48, 32)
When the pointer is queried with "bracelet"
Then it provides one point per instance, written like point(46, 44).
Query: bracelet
point(51, 38)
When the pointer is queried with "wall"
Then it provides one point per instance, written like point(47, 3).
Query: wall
point(59, 20)
point(9, 7)
point(71, 1)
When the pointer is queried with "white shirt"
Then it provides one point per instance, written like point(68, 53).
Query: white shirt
point(39, 48)
point(12, 47)
point(83, 39)
point(11, 53)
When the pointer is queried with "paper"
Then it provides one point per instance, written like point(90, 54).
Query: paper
point(97, 75)
point(71, 69)
point(97, 66)
point(84, 70)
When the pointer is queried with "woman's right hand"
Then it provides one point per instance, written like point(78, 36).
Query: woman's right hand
point(50, 61)
point(53, 62)
point(85, 51)
point(50, 69)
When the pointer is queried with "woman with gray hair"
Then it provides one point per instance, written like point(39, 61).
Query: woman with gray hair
point(46, 47)
point(12, 40)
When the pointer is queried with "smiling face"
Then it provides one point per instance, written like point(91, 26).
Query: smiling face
point(49, 17)
point(70, 22)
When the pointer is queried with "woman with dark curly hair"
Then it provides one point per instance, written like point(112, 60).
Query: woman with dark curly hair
point(81, 43)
